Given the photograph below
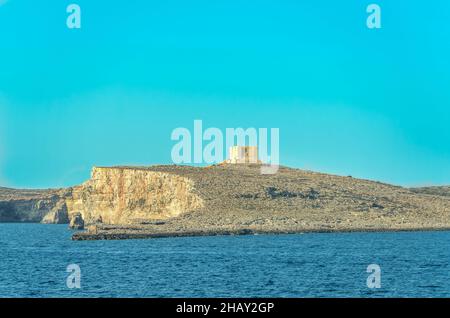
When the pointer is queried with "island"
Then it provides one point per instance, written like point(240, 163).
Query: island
point(127, 202)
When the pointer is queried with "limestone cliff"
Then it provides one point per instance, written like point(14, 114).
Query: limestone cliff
point(122, 195)
point(46, 206)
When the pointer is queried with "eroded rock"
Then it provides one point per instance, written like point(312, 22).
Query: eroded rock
point(76, 222)
point(127, 195)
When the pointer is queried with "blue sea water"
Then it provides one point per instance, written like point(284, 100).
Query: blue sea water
point(34, 258)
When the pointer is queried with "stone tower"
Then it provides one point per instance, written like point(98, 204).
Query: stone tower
point(243, 154)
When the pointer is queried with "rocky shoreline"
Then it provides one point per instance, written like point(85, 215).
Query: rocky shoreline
point(131, 234)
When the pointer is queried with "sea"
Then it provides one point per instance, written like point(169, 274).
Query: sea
point(39, 260)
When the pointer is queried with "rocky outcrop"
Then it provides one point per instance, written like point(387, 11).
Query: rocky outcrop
point(46, 206)
point(124, 195)
point(58, 214)
point(112, 196)
point(76, 222)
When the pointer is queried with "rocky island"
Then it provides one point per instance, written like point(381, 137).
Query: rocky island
point(225, 199)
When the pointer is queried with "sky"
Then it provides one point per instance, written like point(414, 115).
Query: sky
point(348, 100)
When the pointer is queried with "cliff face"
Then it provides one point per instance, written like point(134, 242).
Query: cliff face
point(125, 195)
point(46, 206)
point(111, 196)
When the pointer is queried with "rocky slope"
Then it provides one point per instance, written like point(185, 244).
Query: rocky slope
point(436, 190)
point(136, 202)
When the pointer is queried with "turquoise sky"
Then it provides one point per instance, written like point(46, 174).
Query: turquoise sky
point(348, 100)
